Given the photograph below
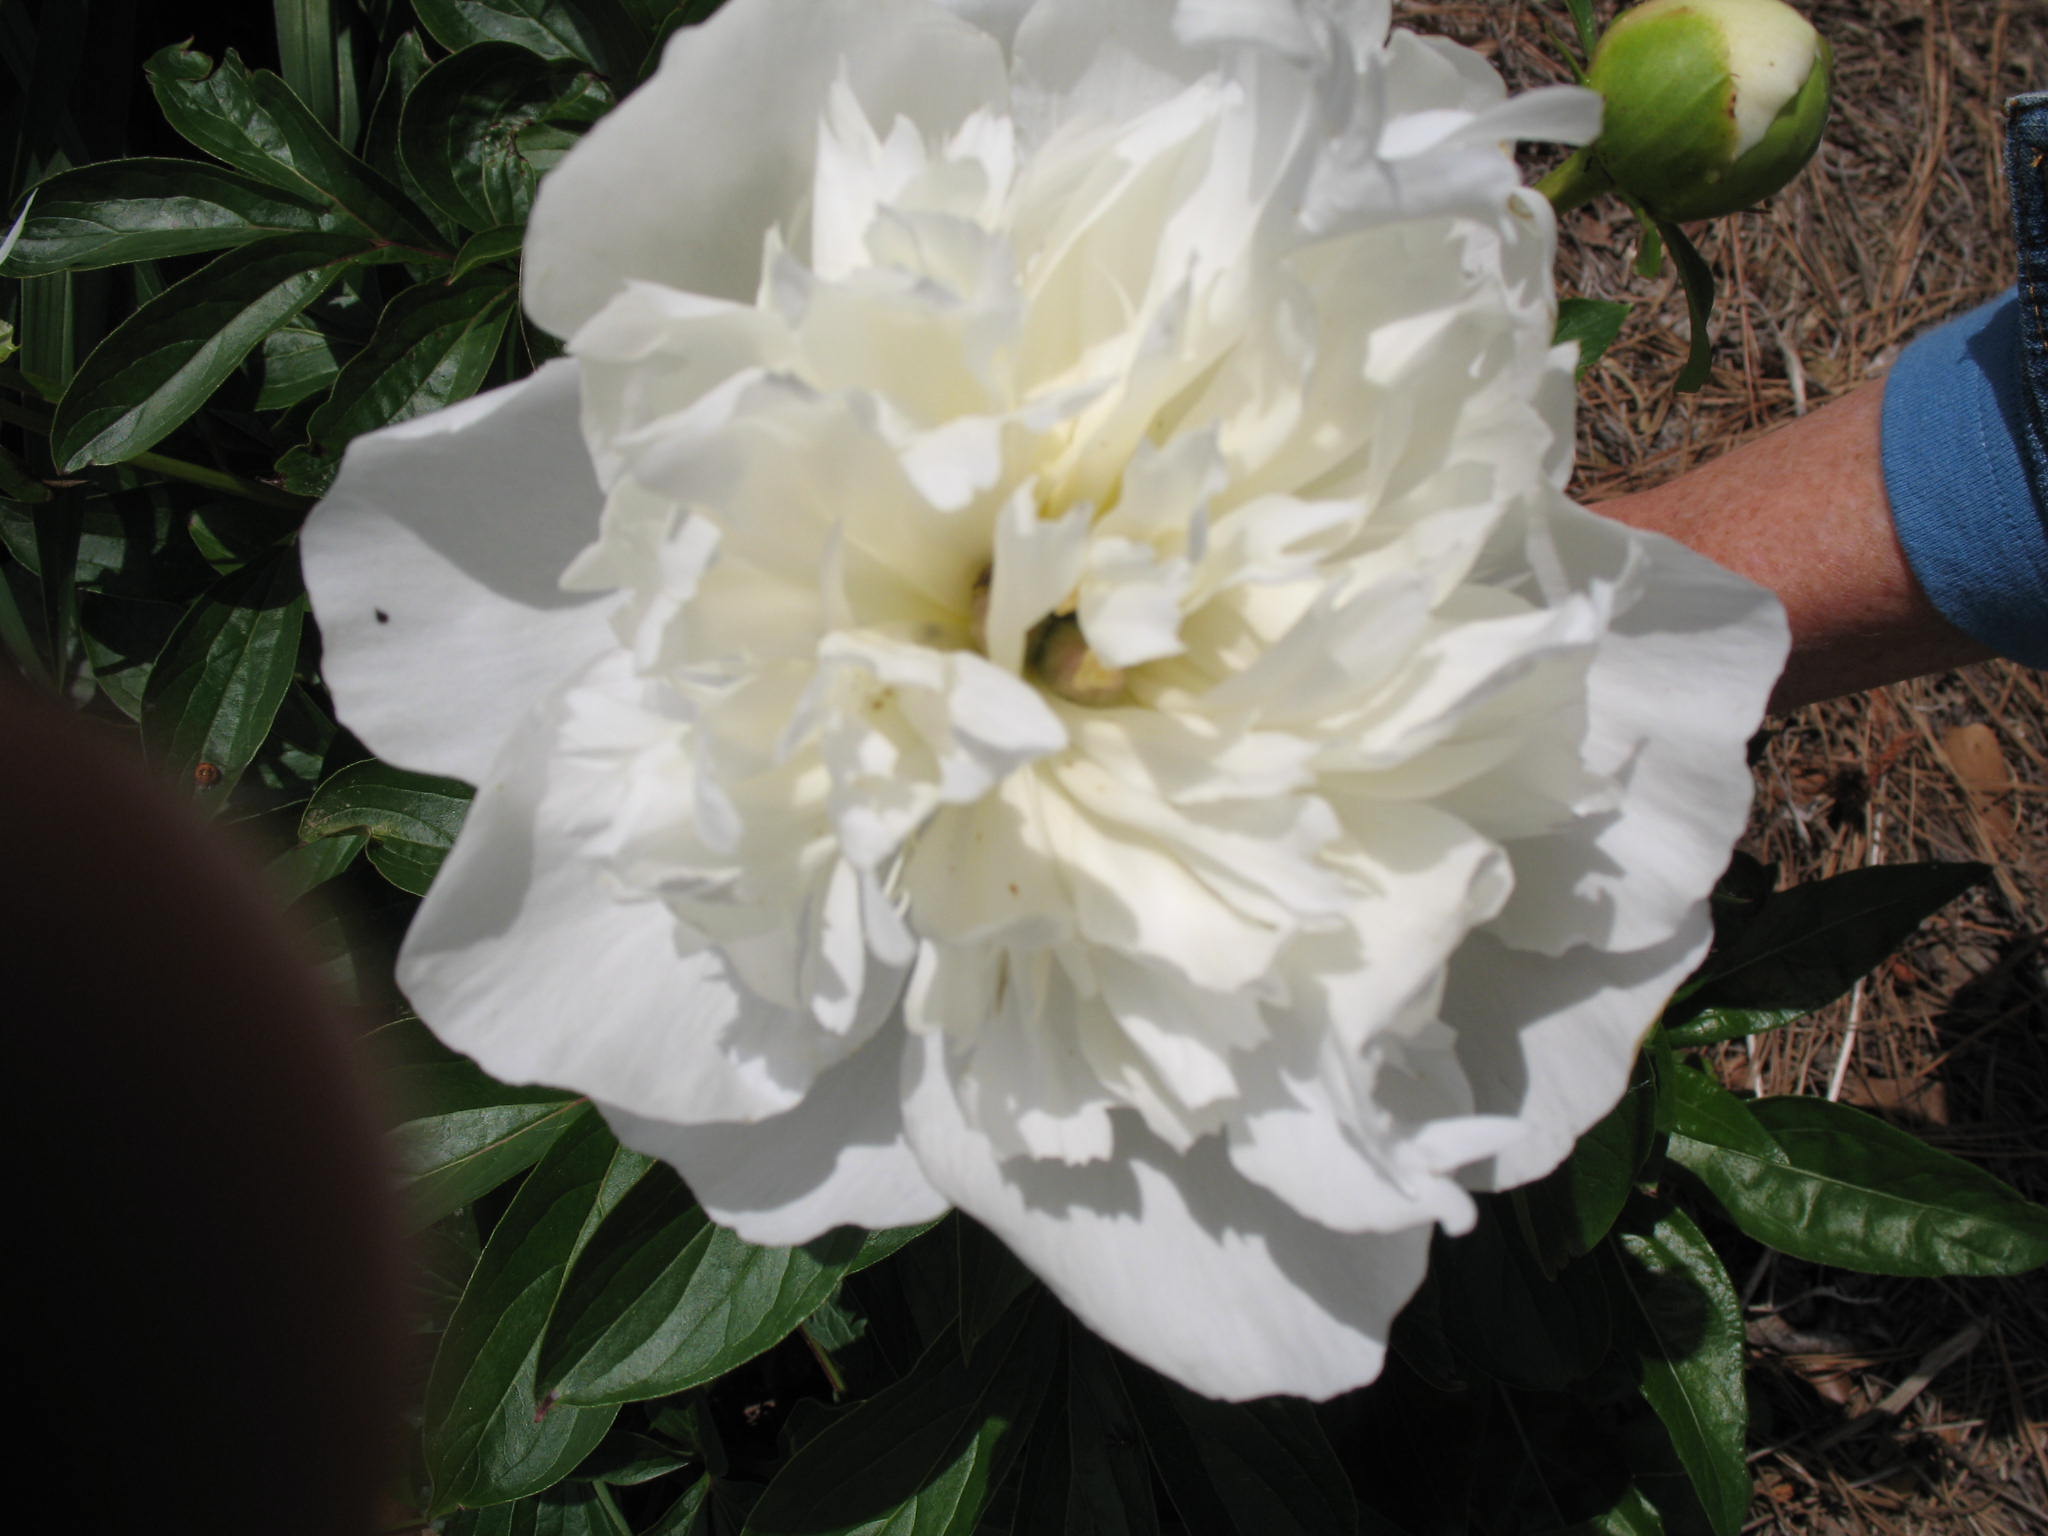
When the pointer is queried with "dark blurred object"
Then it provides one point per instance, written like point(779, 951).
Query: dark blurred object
point(211, 1255)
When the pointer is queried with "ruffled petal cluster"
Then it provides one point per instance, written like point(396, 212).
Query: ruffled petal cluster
point(1034, 657)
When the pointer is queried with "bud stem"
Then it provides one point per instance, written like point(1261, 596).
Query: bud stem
point(1579, 180)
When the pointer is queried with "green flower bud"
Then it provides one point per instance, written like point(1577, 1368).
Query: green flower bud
point(1712, 105)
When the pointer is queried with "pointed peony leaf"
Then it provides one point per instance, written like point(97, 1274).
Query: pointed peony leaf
point(1507, 1317)
point(663, 1300)
point(569, 1509)
point(490, 245)
point(309, 866)
point(1689, 1323)
point(600, 33)
point(1630, 1515)
point(145, 210)
point(1592, 325)
point(1086, 1470)
point(1834, 1185)
point(162, 363)
point(485, 1441)
point(253, 121)
point(1569, 1210)
point(481, 127)
point(460, 1134)
point(300, 360)
point(411, 818)
point(1263, 1466)
point(432, 347)
point(222, 677)
point(1808, 945)
point(925, 1454)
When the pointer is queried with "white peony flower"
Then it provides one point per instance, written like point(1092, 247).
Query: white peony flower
point(1035, 658)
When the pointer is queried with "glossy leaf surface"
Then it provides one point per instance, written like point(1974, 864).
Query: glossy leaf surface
point(665, 1299)
point(484, 1441)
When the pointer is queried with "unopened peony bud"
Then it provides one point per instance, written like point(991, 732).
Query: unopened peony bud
point(1712, 105)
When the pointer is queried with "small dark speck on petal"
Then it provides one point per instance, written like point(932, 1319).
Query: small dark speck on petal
point(382, 616)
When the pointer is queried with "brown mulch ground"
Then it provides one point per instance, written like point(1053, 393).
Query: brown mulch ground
point(1881, 1405)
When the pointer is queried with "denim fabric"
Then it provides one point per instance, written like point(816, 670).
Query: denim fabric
point(1966, 435)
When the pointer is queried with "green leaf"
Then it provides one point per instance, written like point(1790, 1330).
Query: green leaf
point(1087, 1472)
point(991, 1280)
point(921, 1457)
point(665, 1299)
point(877, 1246)
point(1698, 280)
point(123, 638)
point(405, 65)
point(572, 1509)
point(297, 871)
point(223, 674)
point(594, 32)
point(58, 526)
point(463, 1133)
point(299, 361)
point(1261, 1467)
point(1702, 1110)
point(483, 1440)
point(483, 125)
point(1834, 1185)
point(250, 119)
point(1631, 1515)
point(1568, 1212)
point(144, 210)
point(626, 1460)
point(1593, 324)
point(433, 346)
point(1713, 1025)
point(166, 359)
point(1505, 1316)
point(307, 47)
point(1691, 1329)
point(491, 245)
point(411, 818)
point(1584, 25)
point(1807, 946)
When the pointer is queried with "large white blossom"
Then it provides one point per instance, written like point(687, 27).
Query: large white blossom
point(1035, 658)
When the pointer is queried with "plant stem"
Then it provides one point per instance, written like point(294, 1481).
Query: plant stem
point(221, 480)
point(176, 469)
point(1580, 179)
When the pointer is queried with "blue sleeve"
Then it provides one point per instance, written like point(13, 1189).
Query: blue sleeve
point(1963, 468)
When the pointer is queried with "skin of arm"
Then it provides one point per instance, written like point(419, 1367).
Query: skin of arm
point(1803, 511)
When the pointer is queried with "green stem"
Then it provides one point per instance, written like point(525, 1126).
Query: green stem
point(221, 480)
point(1579, 180)
point(176, 469)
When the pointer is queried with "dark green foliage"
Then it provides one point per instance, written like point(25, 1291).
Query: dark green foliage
point(1594, 324)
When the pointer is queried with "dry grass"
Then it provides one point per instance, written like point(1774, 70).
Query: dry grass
point(1882, 1406)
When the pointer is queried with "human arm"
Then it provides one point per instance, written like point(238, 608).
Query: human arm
point(1803, 510)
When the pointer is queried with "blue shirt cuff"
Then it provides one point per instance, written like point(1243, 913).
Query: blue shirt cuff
point(1967, 508)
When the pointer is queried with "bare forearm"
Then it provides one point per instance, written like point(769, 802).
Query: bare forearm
point(1803, 511)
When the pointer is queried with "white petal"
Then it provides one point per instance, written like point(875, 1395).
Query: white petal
point(683, 181)
point(837, 1159)
point(1550, 1042)
point(1626, 878)
point(526, 956)
point(434, 566)
point(1177, 1260)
